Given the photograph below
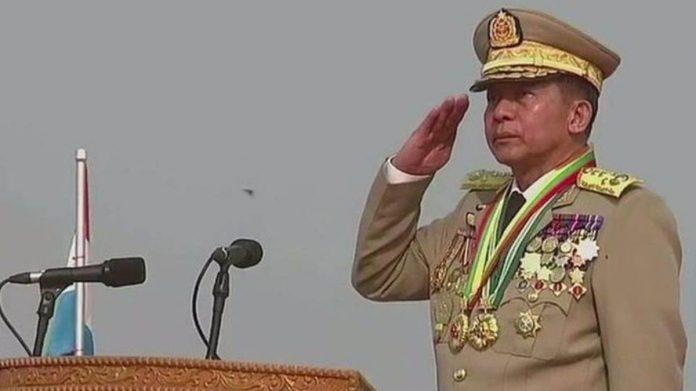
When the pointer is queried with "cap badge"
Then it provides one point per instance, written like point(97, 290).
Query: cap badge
point(504, 30)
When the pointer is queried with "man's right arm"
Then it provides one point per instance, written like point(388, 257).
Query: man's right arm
point(393, 254)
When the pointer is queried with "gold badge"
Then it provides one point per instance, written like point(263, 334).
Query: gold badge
point(483, 331)
point(527, 324)
point(504, 30)
point(458, 332)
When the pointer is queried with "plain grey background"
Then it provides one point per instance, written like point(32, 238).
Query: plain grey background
point(182, 105)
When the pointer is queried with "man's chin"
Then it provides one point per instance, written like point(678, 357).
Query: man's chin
point(507, 157)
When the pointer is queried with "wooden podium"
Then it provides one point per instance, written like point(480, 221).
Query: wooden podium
point(166, 374)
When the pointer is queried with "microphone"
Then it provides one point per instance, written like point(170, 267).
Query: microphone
point(114, 273)
point(242, 253)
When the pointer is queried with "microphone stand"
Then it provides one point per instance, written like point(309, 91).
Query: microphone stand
point(221, 291)
point(45, 312)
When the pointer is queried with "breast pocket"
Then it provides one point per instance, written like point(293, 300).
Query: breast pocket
point(532, 323)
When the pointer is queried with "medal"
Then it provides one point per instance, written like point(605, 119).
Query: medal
point(577, 261)
point(577, 276)
point(544, 274)
point(483, 332)
point(577, 291)
point(566, 247)
point(530, 263)
point(458, 332)
point(527, 324)
point(534, 245)
point(557, 275)
point(547, 259)
point(550, 244)
point(540, 285)
point(562, 261)
point(588, 249)
point(558, 288)
point(522, 285)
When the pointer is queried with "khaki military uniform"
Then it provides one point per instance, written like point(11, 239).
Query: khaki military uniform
point(624, 333)
point(594, 304)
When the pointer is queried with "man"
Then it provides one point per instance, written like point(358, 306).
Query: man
point(558, 276)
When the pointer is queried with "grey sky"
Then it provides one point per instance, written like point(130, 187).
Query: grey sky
point(182, 105)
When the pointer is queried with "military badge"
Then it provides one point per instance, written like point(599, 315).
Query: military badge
point(459, 332)
point(504, 30)
point(527, 324)
point(557, 258)
point(483, 331)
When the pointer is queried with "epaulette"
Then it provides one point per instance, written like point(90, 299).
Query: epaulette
point(486, 180)
point(605, 182)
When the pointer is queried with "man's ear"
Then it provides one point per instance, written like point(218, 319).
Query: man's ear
point(579, 117)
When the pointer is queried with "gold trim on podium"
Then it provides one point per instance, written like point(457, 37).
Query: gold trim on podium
point(167, 374)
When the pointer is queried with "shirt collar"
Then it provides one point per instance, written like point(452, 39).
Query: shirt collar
point(534, 189)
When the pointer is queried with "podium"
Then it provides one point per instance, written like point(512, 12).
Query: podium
point(167, 374)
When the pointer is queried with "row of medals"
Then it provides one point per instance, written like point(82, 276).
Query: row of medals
point(547, 264)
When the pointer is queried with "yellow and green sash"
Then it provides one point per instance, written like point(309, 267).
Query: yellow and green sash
point(493, 246)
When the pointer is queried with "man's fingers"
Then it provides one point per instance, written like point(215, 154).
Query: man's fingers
point(445, 110)
point(459, 105)
point(424, 128)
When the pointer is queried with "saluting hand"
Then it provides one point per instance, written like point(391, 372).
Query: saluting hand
point(430, 146)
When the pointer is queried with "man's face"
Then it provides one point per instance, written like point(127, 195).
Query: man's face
point(526, 122)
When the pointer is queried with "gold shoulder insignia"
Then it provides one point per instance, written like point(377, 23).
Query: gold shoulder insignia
point(606, 182)
point(486, 180)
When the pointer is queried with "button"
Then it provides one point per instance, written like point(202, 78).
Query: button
point(459, 375)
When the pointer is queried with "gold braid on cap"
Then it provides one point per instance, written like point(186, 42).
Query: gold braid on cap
point(538, 55)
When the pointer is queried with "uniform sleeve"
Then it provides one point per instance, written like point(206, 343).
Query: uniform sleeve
point(392, 253)
point(636, 289)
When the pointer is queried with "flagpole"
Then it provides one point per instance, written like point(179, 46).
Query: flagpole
point(80, 256)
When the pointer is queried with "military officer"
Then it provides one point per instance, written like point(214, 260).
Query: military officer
point(557, 275)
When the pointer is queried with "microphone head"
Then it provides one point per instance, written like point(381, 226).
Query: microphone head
point(124, 271)
point(252, 254)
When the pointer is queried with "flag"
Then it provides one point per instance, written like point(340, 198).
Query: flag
point(60, 336)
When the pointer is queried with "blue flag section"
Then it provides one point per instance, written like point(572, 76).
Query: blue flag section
point(60, 338)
